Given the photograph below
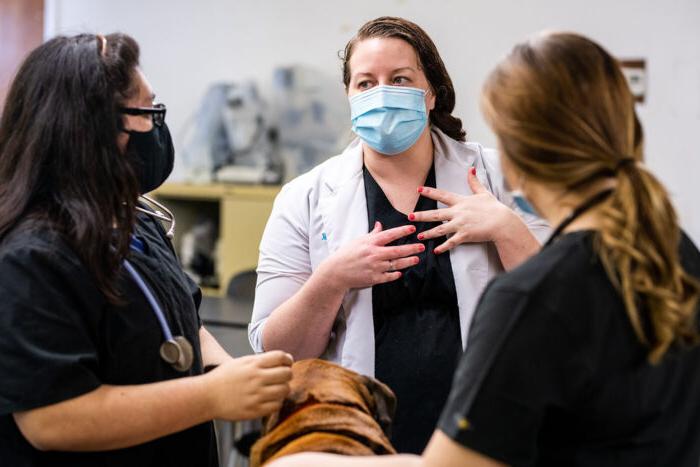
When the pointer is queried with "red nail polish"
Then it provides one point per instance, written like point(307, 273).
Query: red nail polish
point(473, 170)
point(420, 189)
point(412, 229)
point(435, 251)
point(420, 236)
point(411, 217)
point(421, 247)
point(416, 261)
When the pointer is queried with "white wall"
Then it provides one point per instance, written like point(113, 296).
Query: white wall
point(187, 44)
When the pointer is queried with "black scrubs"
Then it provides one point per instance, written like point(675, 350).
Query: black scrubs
point(416, 326)
point(60, 338)
point(554, 374)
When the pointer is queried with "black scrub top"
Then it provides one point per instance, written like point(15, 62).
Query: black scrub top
point(60, 338)
point(416, 326)
point(554, 374)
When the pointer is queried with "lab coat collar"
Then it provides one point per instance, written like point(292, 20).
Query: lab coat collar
point(349, 166)
point(447, 153)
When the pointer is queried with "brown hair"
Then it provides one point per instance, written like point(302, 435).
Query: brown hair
point(564, 115)
point(59, 160)
point(429, 61)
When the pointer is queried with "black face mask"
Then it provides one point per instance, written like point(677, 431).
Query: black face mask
point(153, 155)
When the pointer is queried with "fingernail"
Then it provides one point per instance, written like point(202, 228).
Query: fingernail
point(435, 251)
point(421, 237)
point(420, 189)
point(473, 170)
point(412, 228)
point(416, 261)
point(421, 247)
point(400, 273)
point(411, 217)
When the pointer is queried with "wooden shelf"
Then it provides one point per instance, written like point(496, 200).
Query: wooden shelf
point(241, 211)
point(215, 191)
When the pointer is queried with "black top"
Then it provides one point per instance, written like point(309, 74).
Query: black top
point(60, 339)
point(554, 374)
point(416, 326)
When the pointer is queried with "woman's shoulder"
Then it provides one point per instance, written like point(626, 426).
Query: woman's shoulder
point(466, 152)
point(31, 238)
point(689, 255)
point(569, 270)
point(326, 176)
point(564, 263)
point(35, 251)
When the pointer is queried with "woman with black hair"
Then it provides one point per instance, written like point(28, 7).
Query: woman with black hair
point(103, 353)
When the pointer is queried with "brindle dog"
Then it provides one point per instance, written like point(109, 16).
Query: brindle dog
point(329, 409)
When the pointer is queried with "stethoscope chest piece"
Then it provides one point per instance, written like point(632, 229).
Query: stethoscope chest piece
point(175, 350)
point(178, 352)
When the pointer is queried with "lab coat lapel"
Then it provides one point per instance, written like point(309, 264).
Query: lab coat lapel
point(468, 268)
point(344, 212)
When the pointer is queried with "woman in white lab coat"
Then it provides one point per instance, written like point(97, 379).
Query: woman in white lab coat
point(352, 265)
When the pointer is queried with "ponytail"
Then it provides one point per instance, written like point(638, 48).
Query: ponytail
point(638, 246)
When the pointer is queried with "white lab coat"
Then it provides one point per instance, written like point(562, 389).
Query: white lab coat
point(318, 212)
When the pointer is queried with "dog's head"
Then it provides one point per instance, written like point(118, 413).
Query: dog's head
point(318, 381)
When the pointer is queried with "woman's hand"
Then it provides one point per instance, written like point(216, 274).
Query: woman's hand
point(117, 417)
point(367, 260)
point(250, 387)
point(477, 218)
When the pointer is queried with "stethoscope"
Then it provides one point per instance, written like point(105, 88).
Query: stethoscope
point(585, 206)
point(175, 350)
point(159, 212)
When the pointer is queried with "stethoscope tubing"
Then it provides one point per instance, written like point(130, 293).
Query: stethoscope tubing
point(175, 350)
point(157, 310)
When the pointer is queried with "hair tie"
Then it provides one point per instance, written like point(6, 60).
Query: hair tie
point(103, 43)
point(624, 162)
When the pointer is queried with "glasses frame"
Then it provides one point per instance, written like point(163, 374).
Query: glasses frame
point(157, 112)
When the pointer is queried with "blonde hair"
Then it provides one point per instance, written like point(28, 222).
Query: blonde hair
point(564, 115)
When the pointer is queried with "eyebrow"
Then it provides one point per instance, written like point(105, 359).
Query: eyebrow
point(151, 98)
point(393, 72)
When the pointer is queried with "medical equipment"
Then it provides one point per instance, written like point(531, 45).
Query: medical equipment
point(390, 119)
point(175, 350)
point(198, 251)
point(248, 133)
point(232, 140)
point(310, 112)
point(161, 213)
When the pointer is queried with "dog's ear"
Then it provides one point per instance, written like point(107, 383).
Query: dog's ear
point(384, 402)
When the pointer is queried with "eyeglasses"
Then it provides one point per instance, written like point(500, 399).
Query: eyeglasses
point(157, 112)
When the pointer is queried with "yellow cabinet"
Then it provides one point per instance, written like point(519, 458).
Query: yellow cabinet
point(240, 211)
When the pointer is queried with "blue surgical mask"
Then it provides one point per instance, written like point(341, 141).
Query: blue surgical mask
point(522, 203)
point(390, 119)
point(520, 200)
